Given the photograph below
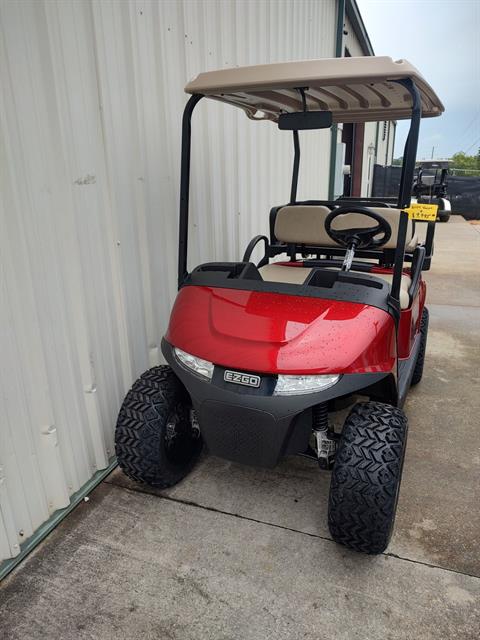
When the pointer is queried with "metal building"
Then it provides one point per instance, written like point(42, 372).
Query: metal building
point(90, 115)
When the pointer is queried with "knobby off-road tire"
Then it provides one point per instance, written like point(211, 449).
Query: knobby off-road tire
point(154, 439)
point(366, 477)
point(418, 371)
point(444, 216)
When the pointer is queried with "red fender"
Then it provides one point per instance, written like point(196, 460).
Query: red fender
point(278, 333)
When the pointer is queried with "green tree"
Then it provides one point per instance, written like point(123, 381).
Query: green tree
point(460, 160)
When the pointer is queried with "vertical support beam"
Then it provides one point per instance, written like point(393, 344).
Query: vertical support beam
point(296, 166)
point(375, 159)
point(394, 125)
point(388, 142)
point(185, 186)
point(357, 159)
point(399, 255)
point(411, 144)
point(377, 131)
point(334, 129)
point(406, 182)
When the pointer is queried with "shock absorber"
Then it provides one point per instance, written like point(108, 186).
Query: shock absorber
point(324, 436)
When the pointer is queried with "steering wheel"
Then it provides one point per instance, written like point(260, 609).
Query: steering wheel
point(360, 237)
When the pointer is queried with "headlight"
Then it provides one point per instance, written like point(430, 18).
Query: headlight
point(293, 385)
point(199, 366)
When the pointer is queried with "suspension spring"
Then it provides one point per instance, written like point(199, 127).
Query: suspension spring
point(320, 417)
point(324, 436)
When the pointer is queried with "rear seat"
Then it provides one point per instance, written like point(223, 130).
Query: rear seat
point(305, 224)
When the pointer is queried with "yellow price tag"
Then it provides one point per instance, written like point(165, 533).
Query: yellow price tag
point(425, 212)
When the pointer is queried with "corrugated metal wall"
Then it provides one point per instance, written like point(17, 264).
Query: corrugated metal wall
point(90, 112)
point(381, 148)
point(385, 143)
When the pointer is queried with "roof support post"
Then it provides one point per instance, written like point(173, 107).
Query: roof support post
point(185, 186)
point(411, 144)
point(296, 166)
point(334, 129)
point(406, 182)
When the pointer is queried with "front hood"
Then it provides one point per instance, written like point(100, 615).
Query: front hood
point(278, 333)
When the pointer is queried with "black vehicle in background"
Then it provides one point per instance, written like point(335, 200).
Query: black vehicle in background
point(431, 185)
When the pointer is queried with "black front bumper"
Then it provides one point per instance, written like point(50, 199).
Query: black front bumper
point(252, 426)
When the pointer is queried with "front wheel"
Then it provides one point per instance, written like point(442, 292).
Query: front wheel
point(157, 439)
point(366, 477)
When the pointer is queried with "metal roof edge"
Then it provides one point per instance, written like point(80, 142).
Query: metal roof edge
point(355, 17)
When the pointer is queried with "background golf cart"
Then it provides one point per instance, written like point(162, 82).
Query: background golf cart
point(431, 186)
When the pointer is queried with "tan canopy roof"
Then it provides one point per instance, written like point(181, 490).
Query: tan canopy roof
point(353, 89)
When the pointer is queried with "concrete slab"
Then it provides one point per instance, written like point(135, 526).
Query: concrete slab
point(234, 552)
point(438, 519)
point(132, 566)
point(454, 276)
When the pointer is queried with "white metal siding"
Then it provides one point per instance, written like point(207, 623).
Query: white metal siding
point(91, 103)
point(391, 142)
point(386, 135)
point(383, 154)
point(350, 40)
point(368, 159)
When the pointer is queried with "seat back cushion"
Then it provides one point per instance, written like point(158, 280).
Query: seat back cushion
point(305, 224)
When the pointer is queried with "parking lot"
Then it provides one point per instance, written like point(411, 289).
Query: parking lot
point(236, 552)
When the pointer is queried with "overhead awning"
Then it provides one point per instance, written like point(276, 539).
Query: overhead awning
point(353, 89)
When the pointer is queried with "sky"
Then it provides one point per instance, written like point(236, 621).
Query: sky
point(442, 39)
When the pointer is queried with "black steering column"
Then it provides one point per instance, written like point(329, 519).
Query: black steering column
point(357, 237)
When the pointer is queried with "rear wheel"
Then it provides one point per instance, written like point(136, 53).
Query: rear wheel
point(366, 477)
point(157, 439)
point(444, 216)
point(418, 371)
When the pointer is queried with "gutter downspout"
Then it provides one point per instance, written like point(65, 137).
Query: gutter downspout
point(375, 157)
point(334, 129)
point(388, 143)
point(394, 123)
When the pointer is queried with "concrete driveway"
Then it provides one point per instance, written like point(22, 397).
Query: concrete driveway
point(240, 553)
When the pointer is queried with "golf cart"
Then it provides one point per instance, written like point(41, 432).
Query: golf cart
point(430, 186)
point(260, 356)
